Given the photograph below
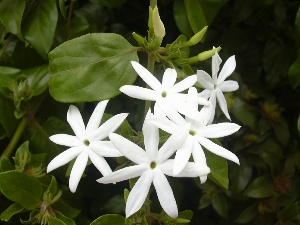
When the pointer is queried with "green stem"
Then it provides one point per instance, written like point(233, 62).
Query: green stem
point(15, 139)
point(150, 68)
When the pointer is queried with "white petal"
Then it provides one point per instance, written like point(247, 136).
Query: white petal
point(187, 110)
point(227, 69)
point(168, 108)
point(139, 192)
point(65, 139)
point(95, 119)
point(124, 174)
point(218, 130)
point(183, 155)
point(165, 124)
point(173, 143)
point(203, 101)
point(192, 100)
point(151, 138)
point(212, 110)
point(105, 149)
point(77, 171)
point(218, 150)
point(215, 66)
point(205, 80)
point(146, 76)
point(109, 127)
point(100, 163)
point(75, 120)
point(229, 85)
point(139, 92)
point(190, 170)
point(165, 194)
point(130, 150)
point(184, 84)
point(205, 94)
point(199, 159)
point(169, 79)
point(64, 157)
point(222, 103)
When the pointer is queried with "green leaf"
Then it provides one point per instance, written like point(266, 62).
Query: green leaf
point(39, 27)
point(66, 220)
point(298, 124)
point(220, 204)
point(11, 13)
point(261, 187)
point(62, 8)
point(242, 113)
point(218, 169)
point(15, 208)
point(37, 79)
point(22, 156)
point(240, 177)
point(109, 3)
point(181, 18)
point(290, 212)
point(21, 188)
point(91, 68)
point(202, 12)
point(109, 219)
point(55, 221)
point(116, 204)
point(66, 209)
point(5, 164)
point(7, 118)
point(294, 72)
point(247, 215)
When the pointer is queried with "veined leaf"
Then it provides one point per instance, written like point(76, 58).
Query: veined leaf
point(91, 68)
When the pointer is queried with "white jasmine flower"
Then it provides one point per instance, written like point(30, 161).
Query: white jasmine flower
point(197, 136)
point(216, 85)
point(87, 143)
point(152, 166)
point(166, 94)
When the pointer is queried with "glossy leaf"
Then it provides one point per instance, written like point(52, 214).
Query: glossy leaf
point(202, 12)
point(39, 27)
point(5, 164)
point(55, 221)
point(109, 219)
point(13, 209)
point(294, 72)
point(220, 204)
point(261, 187)
point(11, 13)
point(37, 79)
point(21, 188)
point(181, 18)
point(63, 218)
point(218, 169)
point(91, 68)
point(247, 215)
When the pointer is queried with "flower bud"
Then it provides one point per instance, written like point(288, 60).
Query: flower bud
point(203, 55)
point(158, 26)
point(196, 38)
point(140, 40)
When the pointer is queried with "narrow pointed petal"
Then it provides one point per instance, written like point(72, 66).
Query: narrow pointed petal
point(124, 174)
point(109, 126)
point(183, 155)
point(168, 108)
point(203, 179)
point(222, 103)
point(229, 85)
point(173, 143)
point(218, 130)
point(190, 170)
point(203, 101)
point(184, 84)
point(165, 124)
point(151, 138)
point(139, 193)
point(169, 79)
point(75, 120)
point(205, 94)
point(205, 80)
point(165, 194)
point(139, 92)
point(146, 76)
point(77, 171)
point(65, 139)
point(218, 150)
point(105, 149)
point(64, 157)
point(227, 69)
point(100, 163)
point(188, 111)
point(95, 119)
point(199, 159)
point(130, 150)
point(212, 110)
point(192, 100)
point(215, 66)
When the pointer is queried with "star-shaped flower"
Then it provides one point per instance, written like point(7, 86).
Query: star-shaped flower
point(152, 166)
point(167, 94)
point(197, 136)
point(88, 142)
point(216, 85)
